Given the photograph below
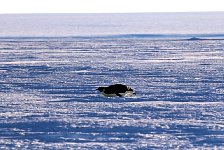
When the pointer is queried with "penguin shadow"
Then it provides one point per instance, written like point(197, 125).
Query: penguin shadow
point(99, 98)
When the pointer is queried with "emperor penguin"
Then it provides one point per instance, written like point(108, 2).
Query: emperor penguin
point(116, 90)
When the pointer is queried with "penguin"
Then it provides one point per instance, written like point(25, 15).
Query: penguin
point(116, 90)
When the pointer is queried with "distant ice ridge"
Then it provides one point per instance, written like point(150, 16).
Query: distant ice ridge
point(146, 36)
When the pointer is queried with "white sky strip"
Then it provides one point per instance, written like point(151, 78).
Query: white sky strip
point(108, 6)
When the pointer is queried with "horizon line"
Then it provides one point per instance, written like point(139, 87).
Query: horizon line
point(25, 13)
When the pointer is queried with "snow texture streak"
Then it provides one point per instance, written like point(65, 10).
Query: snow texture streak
point(49, 101)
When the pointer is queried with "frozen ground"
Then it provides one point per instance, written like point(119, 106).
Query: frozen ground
point(48, 96)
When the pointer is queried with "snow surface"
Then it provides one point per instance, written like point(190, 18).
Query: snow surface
point(49, 101)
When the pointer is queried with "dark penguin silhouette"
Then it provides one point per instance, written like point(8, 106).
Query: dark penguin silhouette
point(116, 90)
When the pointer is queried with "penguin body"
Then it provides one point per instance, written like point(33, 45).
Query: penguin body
point(116, 90)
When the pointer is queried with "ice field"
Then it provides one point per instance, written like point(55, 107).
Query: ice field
point(49, 99)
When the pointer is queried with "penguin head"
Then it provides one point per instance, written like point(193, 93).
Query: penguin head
point(101, 89)
point(131, 90)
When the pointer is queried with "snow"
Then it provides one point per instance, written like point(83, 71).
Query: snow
point(49, 101)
